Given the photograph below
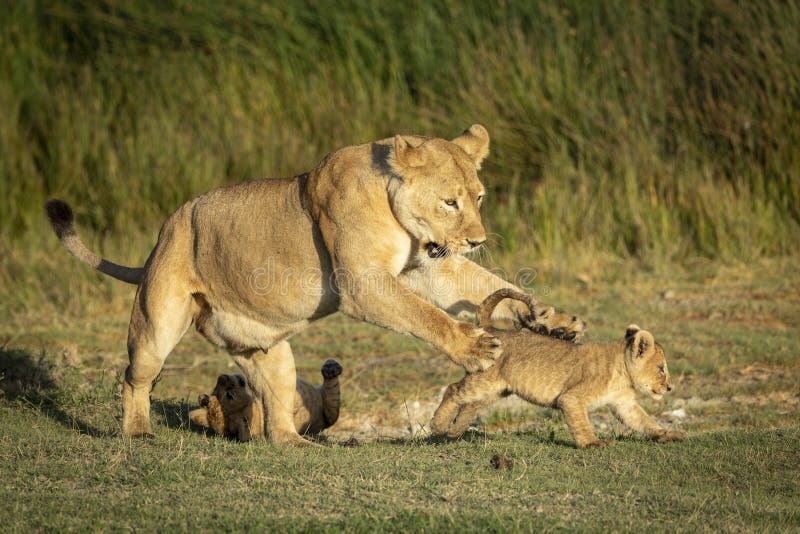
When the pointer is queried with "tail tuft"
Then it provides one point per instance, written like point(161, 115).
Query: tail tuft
point(61, 217)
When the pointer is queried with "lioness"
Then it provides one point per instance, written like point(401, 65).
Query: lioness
point(231, 411)
point(573, 378)
point(375, 231)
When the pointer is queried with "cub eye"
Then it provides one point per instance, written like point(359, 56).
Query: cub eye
point(451, 202)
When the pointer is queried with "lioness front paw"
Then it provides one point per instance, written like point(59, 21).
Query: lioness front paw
point(484, 351)
point(331, 369)
point(566, 327)
point(547, 322)
point(669, 435)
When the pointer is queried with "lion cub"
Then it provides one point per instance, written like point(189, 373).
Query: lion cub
point(573, 378)
point(231, 411)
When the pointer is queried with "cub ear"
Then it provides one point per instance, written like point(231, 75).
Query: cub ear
point(202, 399)
point(631, 330)
point(240, 380)
point(475, 142)
point(199, 416)
point(642, 344)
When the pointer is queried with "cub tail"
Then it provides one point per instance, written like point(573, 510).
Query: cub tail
point(63, 222)
point(488, 305)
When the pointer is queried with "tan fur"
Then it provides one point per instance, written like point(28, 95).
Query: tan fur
point(231, 410)
point(375, 231)
point(540, 319)
point(573, 378)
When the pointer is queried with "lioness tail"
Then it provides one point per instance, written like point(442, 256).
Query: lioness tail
point(62, 221)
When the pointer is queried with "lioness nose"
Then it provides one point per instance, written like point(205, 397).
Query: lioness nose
point(474, 244)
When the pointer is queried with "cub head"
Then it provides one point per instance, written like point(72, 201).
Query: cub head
point(225, 407)
point(438, 195)
point(646, 363)
point(232, 392)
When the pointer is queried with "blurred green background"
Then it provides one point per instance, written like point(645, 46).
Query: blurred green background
point(659, 129)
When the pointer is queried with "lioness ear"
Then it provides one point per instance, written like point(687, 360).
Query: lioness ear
point(199, 416)
point(642, 344)
point(475, 142)
point(406, 155)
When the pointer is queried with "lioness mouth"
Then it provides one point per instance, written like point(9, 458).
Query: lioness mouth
point(435, 250)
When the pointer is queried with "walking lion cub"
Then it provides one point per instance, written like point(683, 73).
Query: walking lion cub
point(232, 411)
point(573, 378)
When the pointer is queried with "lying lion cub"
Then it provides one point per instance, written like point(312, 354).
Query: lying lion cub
point(231, 411)
point(573, 378)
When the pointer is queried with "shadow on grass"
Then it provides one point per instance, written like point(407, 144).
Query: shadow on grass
point(476, 435)
point(28, 379)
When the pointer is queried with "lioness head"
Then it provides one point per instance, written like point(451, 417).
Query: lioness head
point(438, 196)
point(646, 363)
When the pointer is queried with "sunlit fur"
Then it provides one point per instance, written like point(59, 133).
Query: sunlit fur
point(231, 410)
point(573, 378)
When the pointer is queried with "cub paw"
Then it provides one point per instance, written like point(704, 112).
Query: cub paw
point(331, 369)
point(669, 435)
point(485, 350)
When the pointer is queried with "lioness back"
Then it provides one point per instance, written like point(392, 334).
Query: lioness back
point(255, 246)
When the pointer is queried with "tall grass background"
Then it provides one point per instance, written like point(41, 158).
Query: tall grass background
point(637, 129)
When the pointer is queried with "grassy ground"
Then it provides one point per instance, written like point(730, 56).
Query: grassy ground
point(644, 161)
point(732, 339)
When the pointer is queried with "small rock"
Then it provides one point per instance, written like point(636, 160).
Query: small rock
point(669, 294)
point(680, 413)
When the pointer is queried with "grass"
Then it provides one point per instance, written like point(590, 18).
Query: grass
point(733, 480)
point(731, 335)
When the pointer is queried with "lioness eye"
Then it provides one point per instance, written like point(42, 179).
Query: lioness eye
point(480, 198)
point(453, 203)
point(661, 369)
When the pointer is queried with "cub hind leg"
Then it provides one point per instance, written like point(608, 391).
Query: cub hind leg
point(462, 400)
point(331, 396)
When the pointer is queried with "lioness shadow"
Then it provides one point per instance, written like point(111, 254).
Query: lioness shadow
point(174, 413)
point(27, 378)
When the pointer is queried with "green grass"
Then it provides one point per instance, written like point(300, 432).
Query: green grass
point(52, 479)
point(731, 337)
point(635, 128)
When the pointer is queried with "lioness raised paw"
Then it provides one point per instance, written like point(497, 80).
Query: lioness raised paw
point(485, 351)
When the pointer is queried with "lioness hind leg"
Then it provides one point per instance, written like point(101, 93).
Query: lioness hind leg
point(273, 379)
point(160, 317)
